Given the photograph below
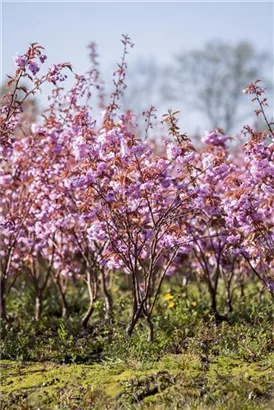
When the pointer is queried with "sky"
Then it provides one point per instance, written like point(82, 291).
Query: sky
point(159, 30)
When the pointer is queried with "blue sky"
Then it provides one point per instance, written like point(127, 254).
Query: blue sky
point(158, 29)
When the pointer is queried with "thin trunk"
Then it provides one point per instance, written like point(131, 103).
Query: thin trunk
point(130, 329)
point(108, 297)
point(134, 293)
point(64, 304)
point(61, 294)
point(207, 276)
point(37, 276)
point(92, 292)
point(261, 292)
point(229, 293)
point(38, 305)
point(242, 289)
point(185, 285)
point(88, 315)
point(229, 299)
point(3, 307)
point(150, 336)
point(227, 278)
point(135, 317)
point(213, 297)
point(214, 310)
point(214, 304)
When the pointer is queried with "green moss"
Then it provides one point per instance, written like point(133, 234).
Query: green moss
point(47, 379)
point(175, 381)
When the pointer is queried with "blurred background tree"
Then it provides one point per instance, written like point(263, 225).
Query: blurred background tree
point(144, 81)
point(211, 80)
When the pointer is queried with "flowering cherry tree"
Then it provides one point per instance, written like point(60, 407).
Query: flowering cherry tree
point(84, 199)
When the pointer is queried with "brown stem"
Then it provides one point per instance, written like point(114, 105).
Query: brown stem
point(64, 306)
point(88, 315)
point(229, 298)
point(229, 293)
point(150, 336)
point(107, 294)
point(3, 307)
point(61, 293)
point(38, 305)
point(213, 297)
point(135, 317)
point(92, 292)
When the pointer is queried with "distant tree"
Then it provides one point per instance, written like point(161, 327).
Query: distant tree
point(211, 79)
point(144, 79)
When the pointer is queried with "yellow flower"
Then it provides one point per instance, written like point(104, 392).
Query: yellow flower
point(194, 304)
point(171, 304)
point(168, 296)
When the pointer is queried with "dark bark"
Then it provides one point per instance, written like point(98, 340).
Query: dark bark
point(88, 315)
point(135, 317)
point(3, 307)
point(62, 296)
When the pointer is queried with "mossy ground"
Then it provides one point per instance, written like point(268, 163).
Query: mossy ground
point(193, 363)
point(174, 382)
